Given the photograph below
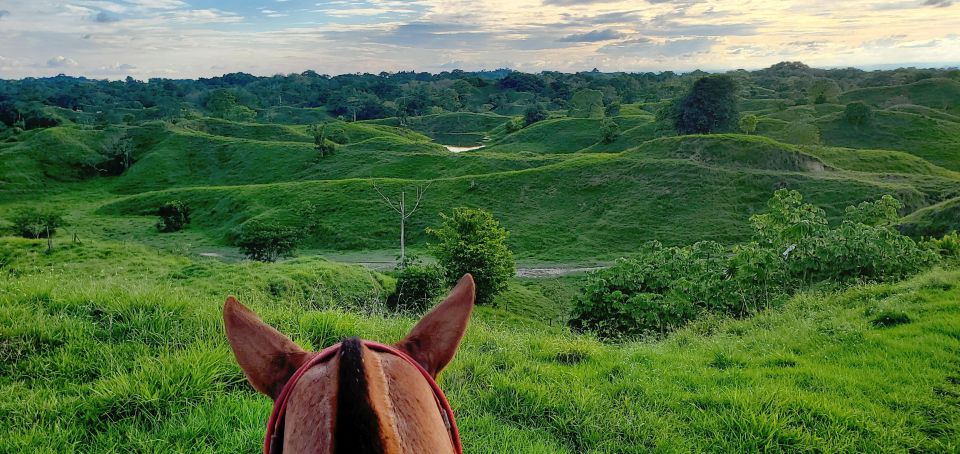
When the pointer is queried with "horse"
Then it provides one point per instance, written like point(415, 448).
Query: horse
point(356, 396)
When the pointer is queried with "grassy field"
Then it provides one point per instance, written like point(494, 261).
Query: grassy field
point(113, 342)
point(112, 348)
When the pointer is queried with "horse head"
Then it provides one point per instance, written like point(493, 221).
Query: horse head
point(356, 396)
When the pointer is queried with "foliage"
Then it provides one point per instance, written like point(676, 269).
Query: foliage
point(118, 151)
point(586, 103)
point(267, 241)
point(662, 288)
point(223, 103)
point(418, 285)
point(37, 222)
point(174, 215)
point(824, 90)
point(514, 125)
point(323, 145)
point(858, 113)
point(748, 124)
point(710, 106)
point(534, 114)
point(609, 131)
point(471, 241)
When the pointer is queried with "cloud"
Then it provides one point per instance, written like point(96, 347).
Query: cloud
point(4, 13)
point(576, 2)
point(104, 17)
point(647, 47)
point(938, 3)
point(60, 62)
point(593, 36)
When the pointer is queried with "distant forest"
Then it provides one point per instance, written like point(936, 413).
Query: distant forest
point(43, 102)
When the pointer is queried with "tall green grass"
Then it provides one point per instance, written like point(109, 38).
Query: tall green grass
point(105, 349)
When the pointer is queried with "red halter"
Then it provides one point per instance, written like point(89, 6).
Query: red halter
point(273, 440)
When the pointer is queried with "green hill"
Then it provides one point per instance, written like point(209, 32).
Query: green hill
point(936, 141)
point(942, 94)
point(675, 190)
point(935, 220)
point(453, 128)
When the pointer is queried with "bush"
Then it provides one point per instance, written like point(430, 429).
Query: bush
point(534, 114)
point(709, 107)
point(857, 113)
point(36, 223)
point(663, 288)
point(514, 125)
point(748, 124)
point(472, 241)
point(609, 131)
point(173, 216)
point(266, 242)
point(418, 286)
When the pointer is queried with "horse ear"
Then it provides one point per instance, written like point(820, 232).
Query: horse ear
point(267, 357)
point(434, 340)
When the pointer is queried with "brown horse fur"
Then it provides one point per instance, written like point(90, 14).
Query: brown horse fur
point(359, 401)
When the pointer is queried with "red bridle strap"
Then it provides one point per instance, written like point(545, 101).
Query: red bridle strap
point(273, 439)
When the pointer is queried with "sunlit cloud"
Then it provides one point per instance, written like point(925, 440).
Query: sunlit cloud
point(174, 38)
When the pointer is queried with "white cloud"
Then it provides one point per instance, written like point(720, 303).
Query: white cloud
point(61, 62)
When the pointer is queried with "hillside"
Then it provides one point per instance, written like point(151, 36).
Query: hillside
point(671, 189)
point(129, 354)
point(936, 93)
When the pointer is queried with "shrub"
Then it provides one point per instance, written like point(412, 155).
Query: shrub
point(748, 124)
point(472, 241)
point(709, 107)
point(609, 131)
point(418, 286)
point(514, 125)
point(857, 113)
point(534, 114)
point(36, 223)
point(173, 216)
point(663, 288)
point(266, 242)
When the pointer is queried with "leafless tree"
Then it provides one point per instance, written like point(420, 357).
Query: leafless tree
point(400, 206)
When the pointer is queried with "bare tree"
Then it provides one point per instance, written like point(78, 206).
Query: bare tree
point(400, 206)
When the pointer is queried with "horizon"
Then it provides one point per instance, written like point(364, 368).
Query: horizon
point(176, 39)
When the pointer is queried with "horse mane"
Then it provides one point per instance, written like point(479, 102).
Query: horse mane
point(357, 428)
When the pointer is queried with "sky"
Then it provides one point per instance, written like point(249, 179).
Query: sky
point(201, 38)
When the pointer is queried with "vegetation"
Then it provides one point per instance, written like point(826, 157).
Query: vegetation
point(857, 113)
point(174, 215)
point(266, 241)
point(471, 241)
point(710, 106)
point(116, 343)
point(662, 289)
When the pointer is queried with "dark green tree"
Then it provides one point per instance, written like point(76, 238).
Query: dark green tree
point(710, 106)
point(858, 113)
point(173, 216)
point(534, 114)
point(471, 241)
point(267, 241)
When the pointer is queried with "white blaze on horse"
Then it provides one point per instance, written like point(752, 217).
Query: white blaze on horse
point(356, 396)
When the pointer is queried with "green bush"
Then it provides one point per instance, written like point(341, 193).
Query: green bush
point(36, 223)
point(266, 242)
point(472, 241)
point(534, 114)
point(857, 113)
point(663, 288)
point(418, 285)
point(609, 131)
point(173, 216)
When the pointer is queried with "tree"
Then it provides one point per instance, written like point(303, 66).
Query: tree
point(534, 114)
point(858, 113)
point(400, 206)
point(267, 241)
point(173, 216)
point(38, 223)
point(321, 144)
point(609, 131)
point(118, 149)
point(471, 241)
point(223, 103)
point(824, 90)
point(586, 103)
point(748, 124)
point(710, 106)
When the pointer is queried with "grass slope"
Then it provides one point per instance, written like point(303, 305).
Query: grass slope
point(942, 94)
point(935, 220)
point(113, 348)
point(676, 190)
point(936, 141)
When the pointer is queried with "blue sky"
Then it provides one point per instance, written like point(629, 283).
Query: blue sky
point(191, 38)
